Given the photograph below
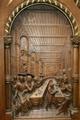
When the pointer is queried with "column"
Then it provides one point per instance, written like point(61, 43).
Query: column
point(37, 69)
point(75, 74)
point(33, 63)
point(29, 63)
point(79, 73)
point(7, 52)
point(41, 68)
point(2, 81)
point(37, 66)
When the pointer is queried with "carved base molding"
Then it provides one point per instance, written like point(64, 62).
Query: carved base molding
point(8, 116)
point(76, 116)
point(45, 119)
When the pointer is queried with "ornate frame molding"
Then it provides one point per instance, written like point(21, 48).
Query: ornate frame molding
point(53, 3)
point(75, 40)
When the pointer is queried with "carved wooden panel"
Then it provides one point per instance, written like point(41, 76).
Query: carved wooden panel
point(41, 47)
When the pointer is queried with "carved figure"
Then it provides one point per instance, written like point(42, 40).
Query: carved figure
point(22, 86)
point(51, 91)
point(64, 107)
point(29, 83)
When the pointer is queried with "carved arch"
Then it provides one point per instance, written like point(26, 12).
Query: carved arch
point(53, 3)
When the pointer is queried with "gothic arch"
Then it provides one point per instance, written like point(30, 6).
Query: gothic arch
point(53, 3)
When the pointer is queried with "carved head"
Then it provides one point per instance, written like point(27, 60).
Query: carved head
point(21, 78)
point(29, 78)
point(60, 77)
point(51, 84)
point(14, 80)
point(64, 71)
point(35, 78)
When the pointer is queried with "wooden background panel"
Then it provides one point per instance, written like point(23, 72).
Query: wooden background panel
point(49, 38)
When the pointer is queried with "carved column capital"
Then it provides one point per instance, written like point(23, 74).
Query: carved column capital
point(75, 41)
point(7, 41)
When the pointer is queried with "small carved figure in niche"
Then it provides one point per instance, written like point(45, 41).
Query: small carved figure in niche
point(51, 91)
point(23, 60)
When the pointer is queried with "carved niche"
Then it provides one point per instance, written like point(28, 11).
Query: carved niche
point(41, 65)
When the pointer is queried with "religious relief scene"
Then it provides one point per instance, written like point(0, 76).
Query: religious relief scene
point(40, 60)
point(41, 64)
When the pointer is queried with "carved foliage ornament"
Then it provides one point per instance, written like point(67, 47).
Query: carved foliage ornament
point(7, 41)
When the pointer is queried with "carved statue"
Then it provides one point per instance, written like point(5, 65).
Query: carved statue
point(23, 61)
point(66, 89)
point(29, 83)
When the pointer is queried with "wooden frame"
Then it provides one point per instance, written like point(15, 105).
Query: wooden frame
point(75, 42)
